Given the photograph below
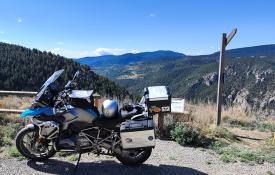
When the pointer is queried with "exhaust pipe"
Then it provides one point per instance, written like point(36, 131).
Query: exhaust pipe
point(109, 147)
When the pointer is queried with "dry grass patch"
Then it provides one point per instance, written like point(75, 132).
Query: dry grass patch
point(15, 102)
point(205, 113)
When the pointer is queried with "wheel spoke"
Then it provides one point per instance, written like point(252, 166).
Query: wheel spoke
point(29, 146)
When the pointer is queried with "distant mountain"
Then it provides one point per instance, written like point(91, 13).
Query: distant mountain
point(249, 75)
point(263, 50)
point(27, 69)
point(125, 59)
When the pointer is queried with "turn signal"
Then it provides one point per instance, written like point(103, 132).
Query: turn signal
point(156, 109)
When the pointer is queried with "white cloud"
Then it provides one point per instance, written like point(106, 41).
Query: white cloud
point(84, 53)
point(5, 41)
point(56, 50)
point(60, 43)
point(107, 51)
point(19, 19)
point(135, 51)
point(152, 15)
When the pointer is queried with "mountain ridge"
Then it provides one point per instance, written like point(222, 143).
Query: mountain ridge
point(250, 49)
point(123, 59)
point(22, 68)
point(249, 76)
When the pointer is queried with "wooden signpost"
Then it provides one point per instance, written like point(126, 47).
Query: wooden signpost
point(224, 42)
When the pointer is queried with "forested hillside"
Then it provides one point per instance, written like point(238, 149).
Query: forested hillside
point(249, 76)
point(26, 69)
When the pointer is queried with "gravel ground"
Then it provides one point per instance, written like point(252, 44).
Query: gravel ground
point(168, 158)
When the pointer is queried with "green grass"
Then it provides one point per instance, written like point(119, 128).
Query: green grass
point(269, 173)
point(72, 157)
point(228, 158)
point(6, 141)
point(8, 133)
point(251, 156)
point(13, 152)
point(228, 153)
point(11, 130)
point(270, 157)
point(222, 133)
point(250, 125)
point(172, 158)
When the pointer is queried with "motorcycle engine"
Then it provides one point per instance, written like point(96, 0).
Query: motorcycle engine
point(83, 142)
point(49, 129)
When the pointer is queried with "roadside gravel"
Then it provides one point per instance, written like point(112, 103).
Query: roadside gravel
point(168, 158)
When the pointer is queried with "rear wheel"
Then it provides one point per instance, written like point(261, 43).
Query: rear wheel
point(31, 147)
point(134, 157)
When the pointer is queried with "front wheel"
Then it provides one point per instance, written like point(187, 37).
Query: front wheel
point(32, 147)
point(134, 157)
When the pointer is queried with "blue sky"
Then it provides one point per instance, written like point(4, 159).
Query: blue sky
point(77, 28)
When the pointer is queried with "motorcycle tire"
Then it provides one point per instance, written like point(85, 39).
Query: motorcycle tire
point(128, 157)
point(25, 151)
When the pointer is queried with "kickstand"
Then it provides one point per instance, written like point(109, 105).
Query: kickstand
point(77, 163)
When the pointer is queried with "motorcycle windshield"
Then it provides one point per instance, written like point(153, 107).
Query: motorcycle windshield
point(50, 80)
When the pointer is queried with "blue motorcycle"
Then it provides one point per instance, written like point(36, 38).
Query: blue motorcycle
point(66, 120)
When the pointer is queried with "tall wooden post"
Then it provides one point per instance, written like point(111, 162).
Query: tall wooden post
point(161, 124)
point(224, 42)
point(220, 80)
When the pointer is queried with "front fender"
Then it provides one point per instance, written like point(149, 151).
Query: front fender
point(30, 126)
point(48, 111)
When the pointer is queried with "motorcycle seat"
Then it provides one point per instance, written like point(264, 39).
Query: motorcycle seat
point(107, 123)
point(128, 114)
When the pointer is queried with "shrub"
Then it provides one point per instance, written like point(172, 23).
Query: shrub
point(11, 130)
point(6, 141)
point(8, 133)
point(167, 131)
point(221, 132)
point(185, 134)
point(1, 135)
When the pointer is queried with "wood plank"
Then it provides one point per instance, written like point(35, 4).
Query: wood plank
point(15, 111)
point(18, 93)
point(30, 93)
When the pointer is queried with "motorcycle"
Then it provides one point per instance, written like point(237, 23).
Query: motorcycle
point(66, 120)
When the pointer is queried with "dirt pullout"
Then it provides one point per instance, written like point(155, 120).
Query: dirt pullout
point(168, 158)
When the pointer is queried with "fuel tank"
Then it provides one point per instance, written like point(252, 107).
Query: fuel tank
point(80, 118)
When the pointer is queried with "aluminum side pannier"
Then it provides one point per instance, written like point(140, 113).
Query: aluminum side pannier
point(137, 134)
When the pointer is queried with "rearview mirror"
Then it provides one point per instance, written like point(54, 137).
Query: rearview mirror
point(76, 74)
point(68, 84)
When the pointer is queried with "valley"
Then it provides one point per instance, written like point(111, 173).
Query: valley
point(249, 75)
